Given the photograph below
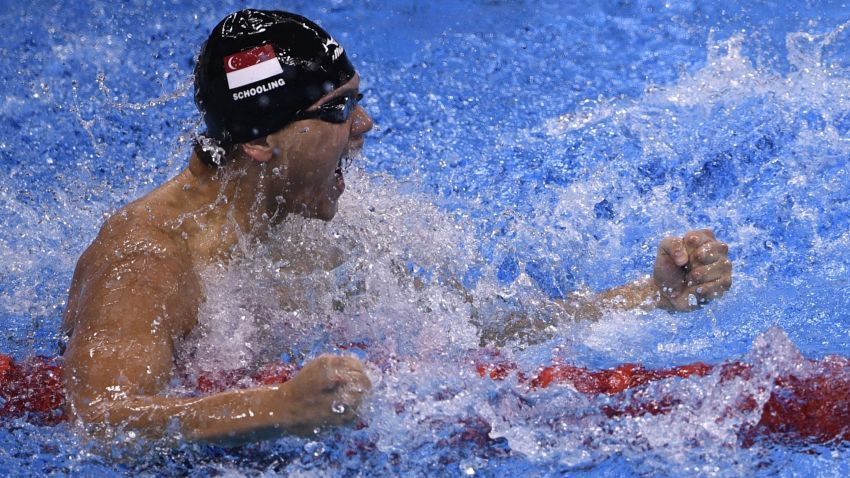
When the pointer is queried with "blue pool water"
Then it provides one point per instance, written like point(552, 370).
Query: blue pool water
point(524, 148)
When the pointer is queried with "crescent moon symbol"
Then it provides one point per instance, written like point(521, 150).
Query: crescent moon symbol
point(230, 62)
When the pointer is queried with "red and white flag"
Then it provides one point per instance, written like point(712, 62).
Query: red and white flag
point(251, 66)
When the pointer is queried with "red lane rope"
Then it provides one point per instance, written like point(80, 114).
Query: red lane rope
point(811, 407)
point(33, 388)
point(209, 382)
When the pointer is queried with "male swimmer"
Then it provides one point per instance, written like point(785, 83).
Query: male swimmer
point(279, 97)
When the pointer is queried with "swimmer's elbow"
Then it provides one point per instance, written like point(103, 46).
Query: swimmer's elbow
point(100, 414)
point(89, 411)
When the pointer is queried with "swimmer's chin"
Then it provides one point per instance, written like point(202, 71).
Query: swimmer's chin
point(353, 150)
point(325, 215)
point(325, 212)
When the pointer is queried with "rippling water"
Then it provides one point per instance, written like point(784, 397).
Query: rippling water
point(521, 150)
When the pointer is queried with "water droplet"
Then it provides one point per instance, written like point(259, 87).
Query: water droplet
point(315, 448)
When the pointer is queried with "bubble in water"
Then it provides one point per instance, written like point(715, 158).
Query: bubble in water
point(314, 448)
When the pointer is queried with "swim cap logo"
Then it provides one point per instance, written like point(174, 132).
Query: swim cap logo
point(336, 51)
point(251, 66)
point(258, 89)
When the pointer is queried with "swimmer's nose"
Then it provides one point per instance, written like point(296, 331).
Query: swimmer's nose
point(362, 122)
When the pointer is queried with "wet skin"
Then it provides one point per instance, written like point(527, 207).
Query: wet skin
point(136, 290)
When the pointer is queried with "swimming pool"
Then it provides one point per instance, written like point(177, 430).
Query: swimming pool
point(522, 148)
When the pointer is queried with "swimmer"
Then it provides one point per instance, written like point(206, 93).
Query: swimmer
point(279, 98)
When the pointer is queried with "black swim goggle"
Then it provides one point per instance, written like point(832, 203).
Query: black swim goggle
point(337, 110)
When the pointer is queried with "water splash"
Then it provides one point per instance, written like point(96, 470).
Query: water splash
point(535, 197)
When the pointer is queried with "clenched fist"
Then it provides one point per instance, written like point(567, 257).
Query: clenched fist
point(328, 391)
point(691, 270)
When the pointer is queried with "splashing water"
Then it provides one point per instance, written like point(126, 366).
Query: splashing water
point(370, 276)
point(511, 164)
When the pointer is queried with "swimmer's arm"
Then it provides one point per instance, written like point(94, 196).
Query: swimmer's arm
point(641, 294)
point(689, 272)
point(232, 417)
point(120, 358)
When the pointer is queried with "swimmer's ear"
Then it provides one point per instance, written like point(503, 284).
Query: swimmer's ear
point(258, 149)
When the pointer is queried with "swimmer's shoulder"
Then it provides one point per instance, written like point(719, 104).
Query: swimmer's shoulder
point(147, 221)
point(131, 242)
point(135, 229)
point(136, 236)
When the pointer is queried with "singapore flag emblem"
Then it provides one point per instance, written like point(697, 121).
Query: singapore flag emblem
point(251, 66)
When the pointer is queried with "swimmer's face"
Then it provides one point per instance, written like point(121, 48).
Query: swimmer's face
point(308, 155)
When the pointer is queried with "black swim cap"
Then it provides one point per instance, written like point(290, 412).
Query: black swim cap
point(260, 67)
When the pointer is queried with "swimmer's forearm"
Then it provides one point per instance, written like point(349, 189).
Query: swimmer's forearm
point(641, 294)
point(226, 418)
